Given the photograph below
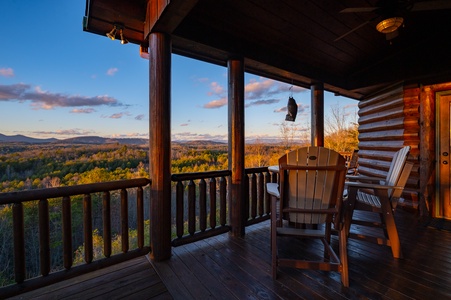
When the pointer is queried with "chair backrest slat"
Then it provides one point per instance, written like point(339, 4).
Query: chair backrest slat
point(312, 189)
point(396, 167)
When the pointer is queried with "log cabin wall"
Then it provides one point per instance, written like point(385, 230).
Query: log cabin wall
point(389, 121)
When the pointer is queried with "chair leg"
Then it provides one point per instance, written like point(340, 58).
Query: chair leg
point(274, 225)
point(390, 225)
point(349, 209)
point(343, 256)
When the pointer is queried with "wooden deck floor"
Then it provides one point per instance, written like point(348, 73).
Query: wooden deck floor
point(133, 279)
point(233, 268)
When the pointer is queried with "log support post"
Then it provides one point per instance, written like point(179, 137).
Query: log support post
point(160, 145)
point(236, 195)
point(317, 131)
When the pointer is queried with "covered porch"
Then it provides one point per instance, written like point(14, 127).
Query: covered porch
point(305, 43)
point(336, 47)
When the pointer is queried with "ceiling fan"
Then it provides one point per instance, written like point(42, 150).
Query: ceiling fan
point(391, 14)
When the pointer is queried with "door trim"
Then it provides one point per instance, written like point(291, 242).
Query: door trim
point(439, 210)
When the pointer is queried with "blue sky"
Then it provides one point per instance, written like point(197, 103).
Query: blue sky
point(58, 81)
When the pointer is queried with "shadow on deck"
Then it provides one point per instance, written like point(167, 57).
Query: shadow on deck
point(234, 268)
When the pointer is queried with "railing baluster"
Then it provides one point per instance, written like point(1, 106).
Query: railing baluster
point(106, 223)
point(260, 192)
point(67, 233)
point(253, 196)
point(44, 237)
point(19, 243)
point(267, 197)
point(87, 227)
point(140, 216)
point(247, 196)
point(124, 220)
point(212, 202)
point(191, 207)
point(202, 205)
point(222, 201)
point(179, 208)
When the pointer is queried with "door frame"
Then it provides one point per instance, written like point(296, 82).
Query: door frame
point(440, 209)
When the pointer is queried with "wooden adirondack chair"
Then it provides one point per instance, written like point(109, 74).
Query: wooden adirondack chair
point(312, 184)
point(353, 163)
point(379, 196)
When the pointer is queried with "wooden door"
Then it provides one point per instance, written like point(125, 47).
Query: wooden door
point(443, 155)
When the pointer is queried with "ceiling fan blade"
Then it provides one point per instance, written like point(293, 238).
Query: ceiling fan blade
point(358, 9)
point(352, 30)
point(431, 5)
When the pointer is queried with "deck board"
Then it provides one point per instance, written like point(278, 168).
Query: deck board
point(133, 279)
point(224, 267)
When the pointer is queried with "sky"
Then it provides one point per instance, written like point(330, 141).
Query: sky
point(57, 81)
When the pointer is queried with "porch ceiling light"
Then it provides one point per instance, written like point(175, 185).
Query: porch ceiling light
point(112, 33)
point(389, 25)
point(123, 40)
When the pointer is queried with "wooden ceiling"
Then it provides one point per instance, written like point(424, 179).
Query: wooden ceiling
point(297, 41)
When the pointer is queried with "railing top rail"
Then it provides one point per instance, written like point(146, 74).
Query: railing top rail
point(256, 170)
point(30, 195)
point(200, 175)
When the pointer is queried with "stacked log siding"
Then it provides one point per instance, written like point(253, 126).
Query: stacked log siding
point(388, 121)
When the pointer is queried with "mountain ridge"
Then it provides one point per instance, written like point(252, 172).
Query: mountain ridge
point(93, 140)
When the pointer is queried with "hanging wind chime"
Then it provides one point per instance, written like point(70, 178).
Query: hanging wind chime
point(292, 107)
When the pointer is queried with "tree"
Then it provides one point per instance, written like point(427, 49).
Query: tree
point(341, 130)
point(257, 155)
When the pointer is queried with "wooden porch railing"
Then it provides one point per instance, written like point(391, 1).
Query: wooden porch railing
point(201, 208)
point(191, 209)
point(17, 200)
point(258, 205)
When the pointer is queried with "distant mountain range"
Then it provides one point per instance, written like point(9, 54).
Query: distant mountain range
point(76, 140)
point(97, 140)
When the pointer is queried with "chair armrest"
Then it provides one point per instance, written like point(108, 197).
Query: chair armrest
point(358, 185)
point(273, 189)
point(364, 178)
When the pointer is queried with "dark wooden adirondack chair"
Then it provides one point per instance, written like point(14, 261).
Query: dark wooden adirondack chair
point(379, 196)
point(311, 192)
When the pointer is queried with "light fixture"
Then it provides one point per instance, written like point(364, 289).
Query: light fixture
point(123, 40)
point(112, 33)
point(389, 25)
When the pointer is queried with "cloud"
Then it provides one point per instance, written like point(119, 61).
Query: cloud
point(47, 100)
point(13, 92)
point(83, 110)
point(74, 131)
point(262, 102)
point(112, 71)
point(216, 103)
point(216, 89)
point(6, 72)
point(188, 136)
point(263, 91)
point(301, 109)
point(184, 124)
point(117, 115)
point(140, 117)
point(130, 135)
point(264, 88)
